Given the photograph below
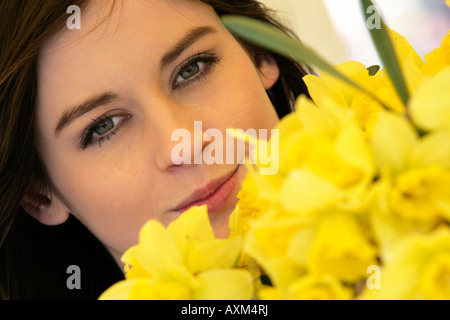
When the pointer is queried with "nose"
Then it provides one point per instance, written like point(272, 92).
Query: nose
point(178, 139)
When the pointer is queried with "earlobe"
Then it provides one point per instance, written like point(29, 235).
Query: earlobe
point(269, 70)
point(47, 211)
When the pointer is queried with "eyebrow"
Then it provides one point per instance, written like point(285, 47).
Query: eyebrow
point(86, 106)
point(186, 41)
point(74, 112)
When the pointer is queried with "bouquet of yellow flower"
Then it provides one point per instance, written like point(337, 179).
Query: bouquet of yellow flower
point(359, 209)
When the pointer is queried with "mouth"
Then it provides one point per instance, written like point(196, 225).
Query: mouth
point(214, 195)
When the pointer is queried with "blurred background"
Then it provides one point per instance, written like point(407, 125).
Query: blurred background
point(336, 28)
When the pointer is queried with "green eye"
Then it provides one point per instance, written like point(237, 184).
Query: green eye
point(104, 127)
point(190, 70)
point(196, 68)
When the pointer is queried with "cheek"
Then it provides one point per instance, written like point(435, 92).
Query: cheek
point(244, 102)
point(112, 200)
point(251, 103)
point(102, 187)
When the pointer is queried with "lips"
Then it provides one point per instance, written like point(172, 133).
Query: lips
point(215, 194)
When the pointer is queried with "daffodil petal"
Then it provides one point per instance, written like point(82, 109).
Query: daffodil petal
point(318, 87)
point(430, 104)
point(392, 139)
point(225, 284)
point(300, 245)
point(352, 146)
point(133, 268)
point(315, 287)
point(289, 124)
point(438, 58)
point(270, 293)
point(157, 250)
point(216, 254)
point(403, 49)
point(341, 248)
point(122, 290)
point(271, 237)
point(283, 271)
point(146, 290)
point(431, 149)
point(304, 191)
point(193, 224)
point(314, 120)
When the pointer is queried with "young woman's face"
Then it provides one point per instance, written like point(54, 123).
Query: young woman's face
point(112, 93)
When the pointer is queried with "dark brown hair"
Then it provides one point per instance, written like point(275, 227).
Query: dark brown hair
point(25, 26)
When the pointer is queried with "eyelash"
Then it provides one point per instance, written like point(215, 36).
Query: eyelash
point(209, 60)
point(87, 139)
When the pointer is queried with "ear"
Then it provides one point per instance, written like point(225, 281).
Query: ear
point(47, 210)
point(269, 70)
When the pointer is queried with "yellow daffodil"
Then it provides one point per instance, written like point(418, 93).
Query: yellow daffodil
point(422, 194)
point(328, 87)
point(341, 248)
point(268, 242)
point(416, 267)
point(327, 160)
point(183, 261)
point(309, 287)
point(414, 181)
point(426, 81)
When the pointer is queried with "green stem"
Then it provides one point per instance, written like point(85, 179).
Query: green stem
point(382, 41)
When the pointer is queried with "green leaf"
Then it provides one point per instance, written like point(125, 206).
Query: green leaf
point(272, 38)
point(373, 70)
point(385, 48)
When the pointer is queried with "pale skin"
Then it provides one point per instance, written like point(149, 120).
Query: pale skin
point(115, 186)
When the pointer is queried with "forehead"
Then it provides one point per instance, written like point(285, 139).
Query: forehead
point(131, 32)
point(120, 20)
